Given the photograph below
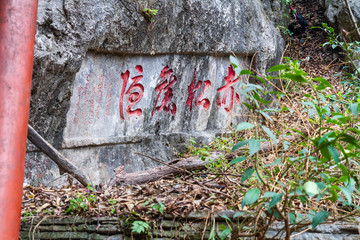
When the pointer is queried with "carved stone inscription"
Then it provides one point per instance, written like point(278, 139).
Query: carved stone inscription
point(125, 96)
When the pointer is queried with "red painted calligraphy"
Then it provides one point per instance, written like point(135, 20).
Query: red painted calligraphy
point(228, 88)
point(91, 105)
point(77, 111)
point(133, 96)
point(168, 81)
point(99, 94)
point(108, 100)
point(192, 88)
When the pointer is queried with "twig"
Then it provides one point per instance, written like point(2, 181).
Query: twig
point(63, 163)
point(352, 18)
point(205, 225)
point(301, 232)
point(162, 162)
point(37, 225)
point(207, 188)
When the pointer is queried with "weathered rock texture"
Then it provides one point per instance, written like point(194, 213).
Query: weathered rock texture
point(83, 51)
point(275, 10)
point(338, 16)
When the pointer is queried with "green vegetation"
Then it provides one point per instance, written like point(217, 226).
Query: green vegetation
point(160, 207)
point(82, 201)
point(140, 227)
point(149, 14)
point(113, 203)
point(351, 53)
point(326, 166)
point(285, 18)
point(319, 170)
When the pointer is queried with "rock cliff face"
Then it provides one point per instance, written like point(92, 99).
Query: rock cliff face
point(108, 82)
point(275, 10)
point(339, 17)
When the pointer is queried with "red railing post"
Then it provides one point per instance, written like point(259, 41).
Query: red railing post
point(17, 37)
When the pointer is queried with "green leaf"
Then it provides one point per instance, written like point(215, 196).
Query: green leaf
point(239, 145)
point(294, 77)
point(321, 185)
point(248, 88)
point(343, 169)
point(328, 137)
point(275, 200)
point(325, 154)
point(245, 72)
point(357, 131)
point(319, 218)
point(286, 145)
point(244, 125)
point(277, 214)
point(222, 227)
point(225, 217)
point(347, 194)
point(248, 106)
point(278, 68)
point(248, 172)
point(234, 61)
point(299, 132)
point(238, 214)
point(237, 71)
point(311, 188)
point(140, 226)
point(351, 186)
point(237, 160)
point(259, 78)
point(255, 86)
point(254, 146)
point(292, 218)
point(349, 139)
point(323, 83)
point(354, 107)
point(311, 215)
point(334, 195)
point(225, 233)
point(334, 153)
point(250, 197)
point(270, 134)
point(266, 115)
point(269, 194)
point(311, 104)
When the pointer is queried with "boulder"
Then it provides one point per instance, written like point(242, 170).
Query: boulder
point(275, 10)
point(109, 80)
point(338, 16)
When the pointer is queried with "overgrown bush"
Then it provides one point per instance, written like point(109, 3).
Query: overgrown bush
point(324, 174)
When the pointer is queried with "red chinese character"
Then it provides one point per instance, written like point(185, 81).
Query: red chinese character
point(166, 86)
point(99, 94)
point(133, 96)
point(192, 88)
point(77, 111)
point(108, 100)
point(228, 87)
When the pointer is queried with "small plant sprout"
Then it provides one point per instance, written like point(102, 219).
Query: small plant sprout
point(149, 14)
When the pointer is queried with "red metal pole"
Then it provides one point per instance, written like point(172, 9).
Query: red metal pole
point(17, 37)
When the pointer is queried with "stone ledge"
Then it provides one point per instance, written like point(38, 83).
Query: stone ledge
point(168, 227)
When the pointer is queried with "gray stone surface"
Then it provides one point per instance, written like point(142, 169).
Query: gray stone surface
point(275, 10)
point(169, 228)
point(338, 15)
point(83, 47)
